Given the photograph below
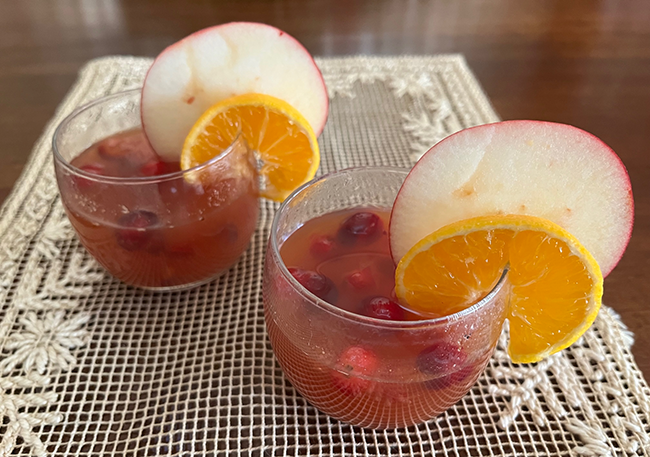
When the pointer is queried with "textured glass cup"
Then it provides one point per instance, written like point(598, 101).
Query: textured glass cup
point(168, 231)
point(424, 366)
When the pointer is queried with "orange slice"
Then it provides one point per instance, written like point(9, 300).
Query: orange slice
point(284, 143)
point(556, 285)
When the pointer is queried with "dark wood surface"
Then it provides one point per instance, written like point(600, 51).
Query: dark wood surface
point(585, 63)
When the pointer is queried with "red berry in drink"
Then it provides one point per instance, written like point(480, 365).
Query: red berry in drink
point(440, 358)
point(353, 368)
point(135, 230)
point(134, 148)
point(316, 283)
point(383, 308)
point(114, 148)
point(321, 246)
point(459, 378)
point(361, 279)
point(362, 227)
point(92, 168)
point(153, 168)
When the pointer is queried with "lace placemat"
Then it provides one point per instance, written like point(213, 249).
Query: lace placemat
point(90, 366)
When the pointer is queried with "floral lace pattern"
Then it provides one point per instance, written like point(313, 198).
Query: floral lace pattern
point(89, 366)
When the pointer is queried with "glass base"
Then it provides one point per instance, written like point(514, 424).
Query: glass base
point(181, 286)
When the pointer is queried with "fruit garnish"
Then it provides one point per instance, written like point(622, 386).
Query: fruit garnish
point(321, 246)
point(284, 143)
point(135, 229)
point(556, 285)
point(440, 358)
point(134, 148)
point(153, 168)
point(361, 279)
point(352, 368)
point(316, 283)
point(554, 171)
point(222, 61)
point(383, 308)
point(362, 227)
point(94, 169)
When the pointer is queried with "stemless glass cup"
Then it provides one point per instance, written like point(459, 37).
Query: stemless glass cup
point(170, 231)
point(424, 366)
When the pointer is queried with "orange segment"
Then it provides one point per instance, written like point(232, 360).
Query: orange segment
point(284, 144)
point(556, 285)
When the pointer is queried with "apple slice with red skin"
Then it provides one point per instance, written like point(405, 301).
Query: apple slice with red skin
point(542, 169)
point(219, 62)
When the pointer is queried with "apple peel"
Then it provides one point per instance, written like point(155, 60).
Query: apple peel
point(219, 62)
point(544, 169)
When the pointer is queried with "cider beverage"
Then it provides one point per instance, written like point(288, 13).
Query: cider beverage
point(145, 220)
point(339, 332)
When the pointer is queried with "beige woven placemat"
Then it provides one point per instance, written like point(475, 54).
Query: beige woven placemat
point(90, 366)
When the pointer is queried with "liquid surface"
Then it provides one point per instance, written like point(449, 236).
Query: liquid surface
point(349, 248)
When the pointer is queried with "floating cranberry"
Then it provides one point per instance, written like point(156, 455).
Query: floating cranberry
point(321, 246)
point(92, 168)
point(135, 230)
point(458, 378)
point(361, 279)
point(114, 148)
point(351, 372)
point(133, 147)
point(362, 227)
point(316, 283)
point(153, 168)
point(383, 308)
point(440, 358)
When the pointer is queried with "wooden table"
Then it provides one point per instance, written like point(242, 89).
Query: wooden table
point(585, 63)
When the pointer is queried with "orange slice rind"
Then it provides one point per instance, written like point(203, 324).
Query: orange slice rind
point(556, 285)
point(285, 146)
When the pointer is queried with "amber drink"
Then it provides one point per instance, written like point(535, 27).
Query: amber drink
point(339, 332)
point(145, 220)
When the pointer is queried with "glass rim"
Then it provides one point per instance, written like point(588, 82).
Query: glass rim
point(358, 318)
point(120, 179)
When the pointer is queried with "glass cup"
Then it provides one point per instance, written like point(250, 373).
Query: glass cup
point(169, 231)
point(424, 366)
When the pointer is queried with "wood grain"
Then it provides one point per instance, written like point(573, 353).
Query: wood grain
point(585, 63)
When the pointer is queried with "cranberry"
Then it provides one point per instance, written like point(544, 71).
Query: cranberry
point(316, 283)
point(153, 168)
point(136, 230)
point(321, 246)
point(361, 279)
point(457, 378)
point(364, 227)
point(383, 308)
point(353, 368)
point(134, 147)
point(114, 148)
point(92, 168)
point(440, 358)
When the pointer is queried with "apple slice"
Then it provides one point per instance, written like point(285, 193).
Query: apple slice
point(542, 169)
point(219, 62)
